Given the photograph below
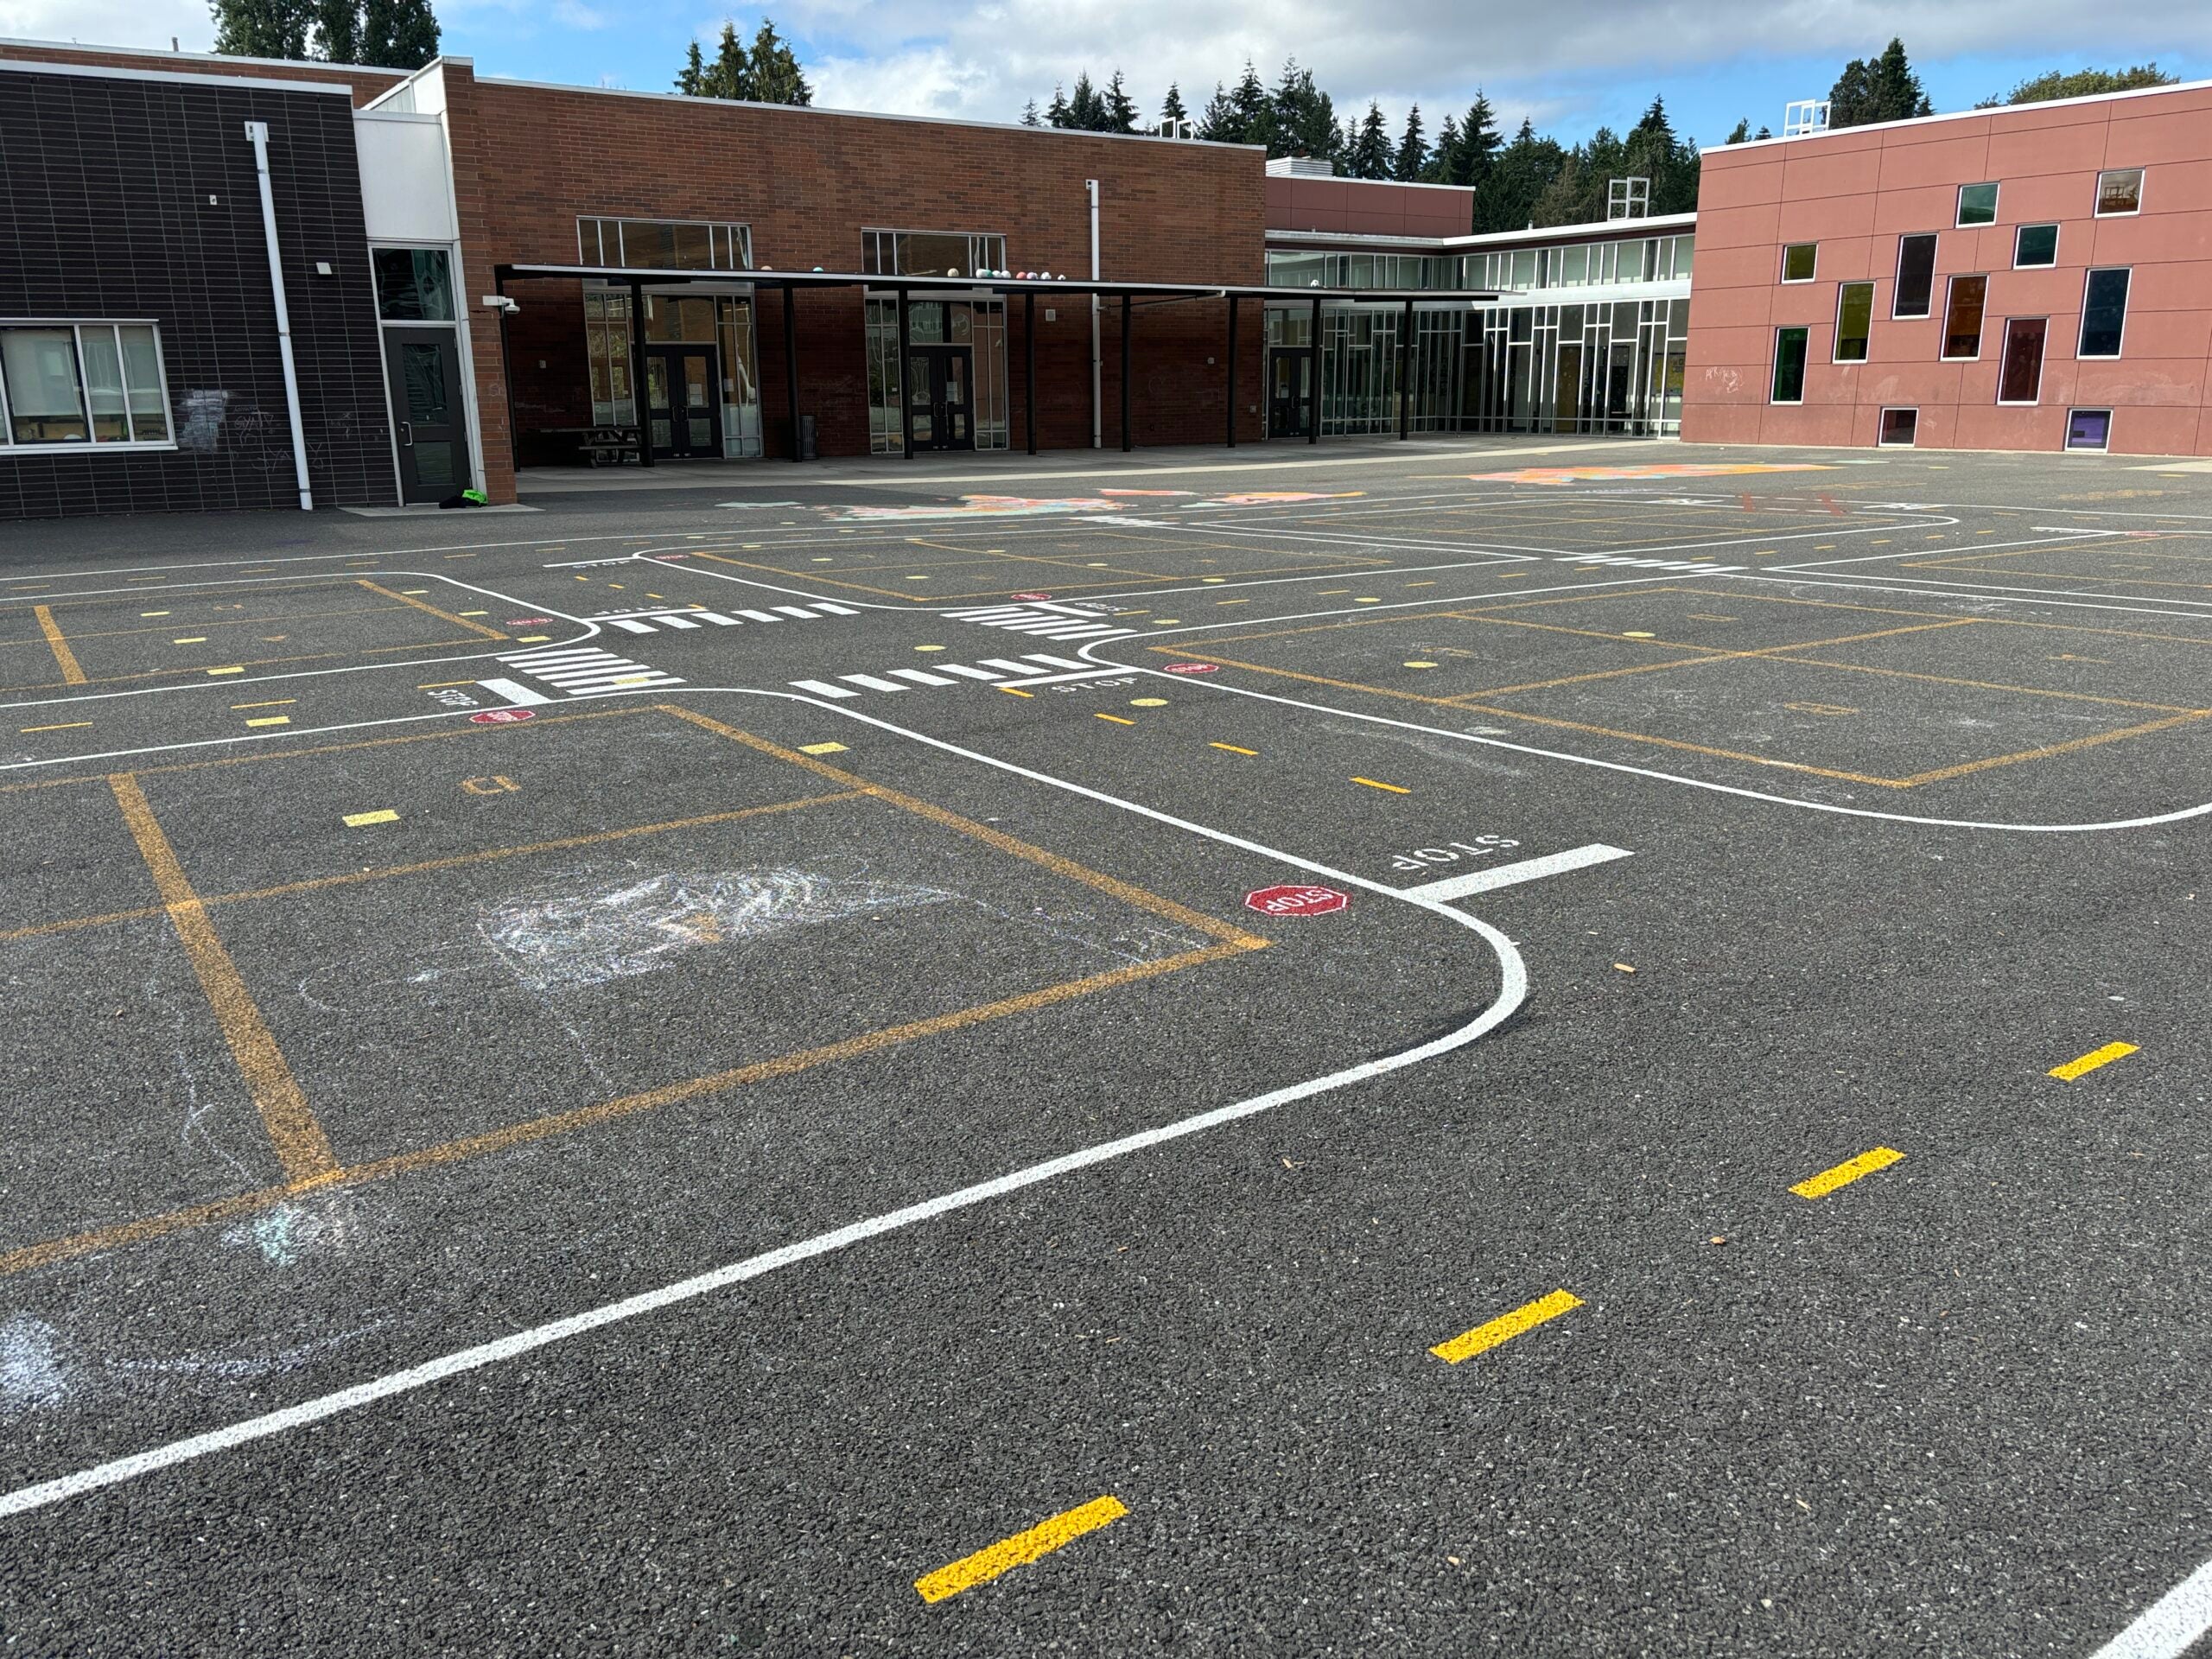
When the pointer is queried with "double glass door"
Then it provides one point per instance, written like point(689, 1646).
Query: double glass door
point(684, 404)
point(940, 408)
point(430, 428)
point(1290, 386)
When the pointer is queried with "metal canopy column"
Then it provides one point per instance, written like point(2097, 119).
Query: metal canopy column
point(1313, 389)
point(790, 366)
point(1405, 365)
point(1127, 444)
point(637, 373)
point(905, 408)
point(1232, 370)
point(1029, 367)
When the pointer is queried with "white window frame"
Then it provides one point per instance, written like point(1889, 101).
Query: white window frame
point(2070, 448)
point(1959, 211)
point(2126, 310)
point(2004, 355)
point(2142, 183)
point(1796, 282)
point(1835, 340)
point(721, 232)
point(2058, 231)
point(1804, 369)
point(1896, 278)
point(76, 326)
point(1881, 442)
point(1943, 353)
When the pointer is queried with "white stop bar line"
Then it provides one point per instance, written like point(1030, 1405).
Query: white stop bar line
point(2170, 1625)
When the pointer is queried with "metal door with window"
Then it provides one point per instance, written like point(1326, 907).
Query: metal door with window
point(683, 400)
point(430, 426)
point(1290, 386)
point(940, 410)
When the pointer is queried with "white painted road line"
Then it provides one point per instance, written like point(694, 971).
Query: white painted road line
point(758, 616)
point(871, 682)
point(798, 611)
point(677, 622)
point(967, 672)
point(1021, 670)
point(920, 678)
point(1528, 869)
point(2169, 1626)
point(630, 624)
point(1046, 658)
point(823, 688)
point(513, 690)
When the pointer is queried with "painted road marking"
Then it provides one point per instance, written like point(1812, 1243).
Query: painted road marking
point(1505, 1327)
point(1528, 869)
point(237, 668)
point(585, 670)
point(922, 676)
point(995, 671)
point(64, 658)
point(269, 720)
point(1394, 788)
point(1117, 720)
point(68, 725)
point(872, 683)
point(1020, 1550)
point(1820, 1185)
point(382, 815)
point(1232, 748)
point(513, 690)
point(823, 688)
point(2092, 1060)
point(1047, 621)
point(820, 748)
point(2169, 1626)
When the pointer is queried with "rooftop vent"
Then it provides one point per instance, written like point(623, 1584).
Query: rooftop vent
point(1301, 167)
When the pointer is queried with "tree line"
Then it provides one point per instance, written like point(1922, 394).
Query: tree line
point(767, 72)
point(383, 33)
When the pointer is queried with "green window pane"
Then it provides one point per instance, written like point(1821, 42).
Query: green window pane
point(1977, 204)
point(1789, 365)
point(1854, 321)
point(2035, 244)
point(104, 384)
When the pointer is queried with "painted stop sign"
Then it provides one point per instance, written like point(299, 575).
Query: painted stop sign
point(1296, 902)
point(499, 717)
point(1032, 596)
point(1188, 668)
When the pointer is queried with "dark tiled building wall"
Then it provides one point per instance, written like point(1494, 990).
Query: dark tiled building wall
point(138, 200)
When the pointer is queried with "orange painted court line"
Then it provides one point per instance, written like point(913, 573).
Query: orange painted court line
point(70, 673)
point(476, 628)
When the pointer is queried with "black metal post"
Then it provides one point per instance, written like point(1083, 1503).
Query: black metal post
point(1314, 389)
point(906, 365)
point(1405, 366)
point(1128, 443)
point(1029, 365)
point(507, 374)
point(790, 366)
point(1232, 370)
point(637, 373)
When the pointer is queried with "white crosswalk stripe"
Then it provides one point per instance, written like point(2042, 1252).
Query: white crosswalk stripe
point(1044, 620)
point(654, 621)
point(1622, 560)
point(1037, 668)
point(586, 671)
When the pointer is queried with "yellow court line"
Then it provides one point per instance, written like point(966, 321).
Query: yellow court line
point(476, 628)
point(66, 726)
point(1820, 1185)
point(1117, 720)
point(1232, 748)
point(1506, 1326)
point(302, 1147)
point(70, 673)
point(266, 702)
point(1011, 692)
point(1392, 788)
point(1020, 1550)
point(2092, 1060)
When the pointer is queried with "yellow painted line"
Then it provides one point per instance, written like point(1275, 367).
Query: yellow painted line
point(271, 702)
point(476, 628)
point(1011, 692)
point(382, 815)
point(1505, 1327)
point(1232, 748)
point(1420, 584)
point(271, 720)
point(191, 639)
point(1147, 702)
point(1392, 788)
point(233, 669)
point(820, 748)
point(1116, 719)
point(143, 615)
point(71, 673)
point(1232, 601)
point(443, 685)
point(1820, 1185)
point(2092, 1060)
point(69, 726)
point(471, 612)
point(416, 593)
point(533, 639)
point(1020, 1550)
point(302, 1148)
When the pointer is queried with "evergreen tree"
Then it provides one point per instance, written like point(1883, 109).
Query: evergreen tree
point(1170, 108)
point(1056, 113)
point(263, 29)
point(1255, 119)
point(1480, 143)
point(2084, 83)
point(730, 74)
point(1741, 133)
point(1879, 89)
point(1444, 159)
point(1412, 151)
point(1029, 114)
point(691, 79)
point(1117, 111)
point(1763, 132)
point(338, 31)
point(1304, 118)
point(1083, 104)
point(1521, 173)
point(1218, 123)
point(772, 71)
point(1370, 154)
point(398, 33)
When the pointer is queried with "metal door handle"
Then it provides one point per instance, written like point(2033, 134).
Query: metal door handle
point(407, 435)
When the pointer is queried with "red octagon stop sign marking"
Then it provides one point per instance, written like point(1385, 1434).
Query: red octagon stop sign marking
point(499, 717)
point(1032, 596)
point(1189, 668)
point(1296, 902)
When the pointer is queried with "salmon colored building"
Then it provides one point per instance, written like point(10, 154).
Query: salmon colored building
point(2031, 278)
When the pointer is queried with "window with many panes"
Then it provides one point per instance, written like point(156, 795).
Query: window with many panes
point(2035, 245)
point(1962, 316)
point(1789, 365)
point(1915, 283)
point(2104, 313)
point(664, 245)
point(1977, 204)
point(932, 253)
point(93, 383)
point(1854, 321)
point(2119, 192)
point(1798, 260)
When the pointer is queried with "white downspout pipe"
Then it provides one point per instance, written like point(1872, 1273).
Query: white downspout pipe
point(257, 133)
point(1097, 402)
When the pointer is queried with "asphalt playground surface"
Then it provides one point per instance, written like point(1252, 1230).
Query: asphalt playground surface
point(1446, 1049)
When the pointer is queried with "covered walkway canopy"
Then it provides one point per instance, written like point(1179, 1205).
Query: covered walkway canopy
point(789, 282)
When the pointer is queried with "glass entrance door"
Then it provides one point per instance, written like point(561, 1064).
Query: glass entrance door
point(1290, 386)
point(683, 400)
point(423, 368)
point(940, 401)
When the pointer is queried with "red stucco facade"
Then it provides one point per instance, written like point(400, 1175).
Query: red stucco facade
point(1855, 193)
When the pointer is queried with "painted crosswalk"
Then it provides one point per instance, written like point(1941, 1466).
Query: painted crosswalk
point(1622, 561)
point(1044, 620)
point(573, 671)
point(1008, 673)
point(678, 621)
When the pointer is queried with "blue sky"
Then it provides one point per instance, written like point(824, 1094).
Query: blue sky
point(1569, 64)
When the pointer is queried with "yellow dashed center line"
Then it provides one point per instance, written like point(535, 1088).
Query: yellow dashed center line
point(1392, 788)
point(1021, 1549)
point(69, 726)
point(1232, 748)
point(1820, 1185)
point(2092, 1060)
point(1116, 719)
point(1506, 1326)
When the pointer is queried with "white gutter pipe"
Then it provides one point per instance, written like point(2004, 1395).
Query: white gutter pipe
point(257, 133)
point(1097, 402)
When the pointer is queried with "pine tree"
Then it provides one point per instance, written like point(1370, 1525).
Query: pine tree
point(1083, 104)
point(1117, 110)
point(1479, 141)
point(338, 31)
point(1255, 119)
point(1056, 113)
point(1444, 159)
point(1029, 114)
point(1522, 170)
point(730, 74)
point(398, 33)
point(1741, 133)
point(773, 71)
point(1879, 89)
point(263, 29)
point(1218, 123)
point(1370, 157)
point(691, 79)
point(1412, 151)
point(1304, 118)
point(1172, 109)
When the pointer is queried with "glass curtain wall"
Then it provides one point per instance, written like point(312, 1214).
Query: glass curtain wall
point(724, 321)
point(978, 324)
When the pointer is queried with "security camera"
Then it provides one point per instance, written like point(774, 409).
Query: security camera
point(500, 303)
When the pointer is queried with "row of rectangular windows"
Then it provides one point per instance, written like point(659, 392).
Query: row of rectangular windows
point(2119, 194)
point(82, 383)
point(2086, 428)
